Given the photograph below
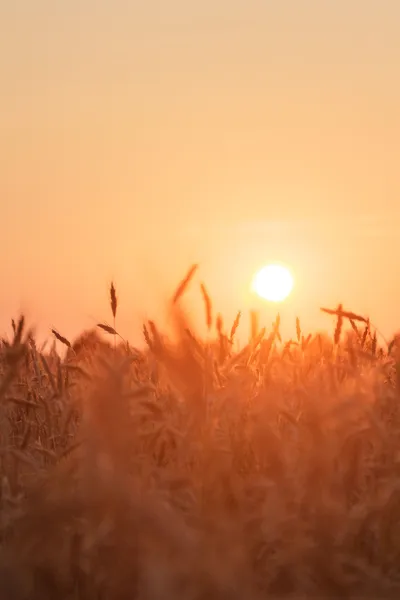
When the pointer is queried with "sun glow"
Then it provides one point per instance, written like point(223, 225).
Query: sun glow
point(273, 283)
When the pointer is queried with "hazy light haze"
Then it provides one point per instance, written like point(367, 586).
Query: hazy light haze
point(139, 137)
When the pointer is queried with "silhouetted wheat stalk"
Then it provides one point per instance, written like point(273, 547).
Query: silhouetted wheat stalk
point(114, 305)
point(180, 290)
point(208, 306)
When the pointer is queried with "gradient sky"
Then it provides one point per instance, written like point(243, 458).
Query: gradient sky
point(139, 137)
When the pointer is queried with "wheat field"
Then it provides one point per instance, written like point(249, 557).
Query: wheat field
point(191, 470)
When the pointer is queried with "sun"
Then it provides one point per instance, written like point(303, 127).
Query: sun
point(273, 283)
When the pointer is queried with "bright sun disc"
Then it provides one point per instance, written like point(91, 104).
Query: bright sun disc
point(273, 282)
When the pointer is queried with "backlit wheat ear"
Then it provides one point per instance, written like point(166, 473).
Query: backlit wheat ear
point(208, 306)
point(254, 326)
point(107, 328)
point(355, 328)
point(147, 337)
point(298, 329)
point(235, 326)
point(180, 290)
point(113, 300)
point(339, 324)
point(364, 336)
point(374, 344)
point(114, 305)
point(61, 338)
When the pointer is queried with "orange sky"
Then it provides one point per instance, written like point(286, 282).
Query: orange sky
point(139, 137)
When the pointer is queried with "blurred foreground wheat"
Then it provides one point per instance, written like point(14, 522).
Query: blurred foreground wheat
point(188, 470)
